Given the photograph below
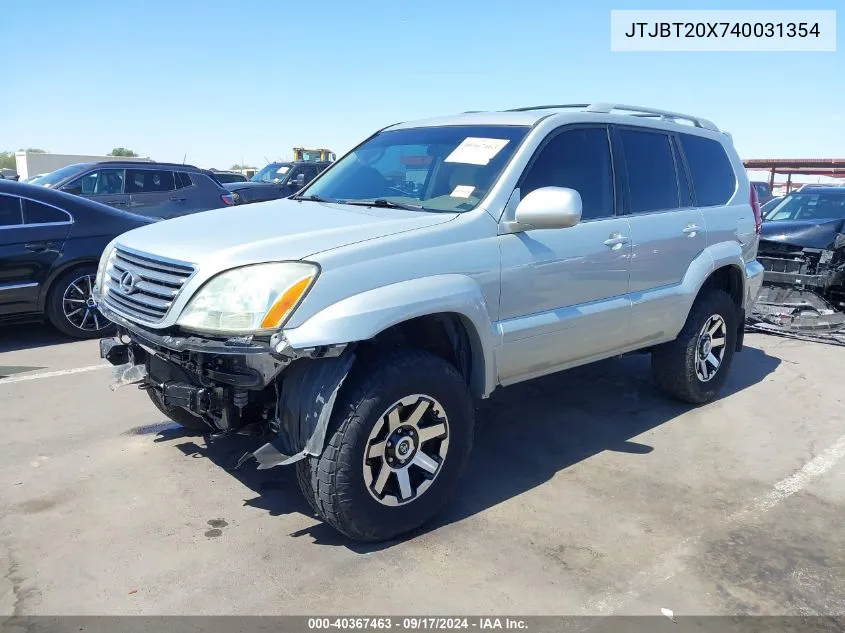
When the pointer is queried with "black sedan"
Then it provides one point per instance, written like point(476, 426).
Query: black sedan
point(276, 180)
point(50, 245)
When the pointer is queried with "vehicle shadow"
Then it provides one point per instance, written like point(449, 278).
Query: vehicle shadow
point(18, 337)
point(525, 435)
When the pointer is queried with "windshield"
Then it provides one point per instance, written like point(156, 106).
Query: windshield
point(437, 168)
point(273, 173)
point(809, 206)
point(55, 177)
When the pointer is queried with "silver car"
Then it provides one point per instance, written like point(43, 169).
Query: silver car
point(355, 323)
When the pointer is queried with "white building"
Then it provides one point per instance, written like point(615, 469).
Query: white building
point(31, 164)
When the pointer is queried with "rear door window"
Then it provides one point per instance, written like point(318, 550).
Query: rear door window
point(149, 181)
point(650, 166)
point(10, 211)
point(713, 178)
point(37, 213)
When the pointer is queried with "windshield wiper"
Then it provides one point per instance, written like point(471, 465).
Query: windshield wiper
point(311, 197)
point(387, 204)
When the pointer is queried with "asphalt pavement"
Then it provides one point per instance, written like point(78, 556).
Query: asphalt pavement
point(587, 493)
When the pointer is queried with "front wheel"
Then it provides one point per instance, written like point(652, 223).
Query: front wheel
point(71, 307)
point(694, 366)
point(400, 434)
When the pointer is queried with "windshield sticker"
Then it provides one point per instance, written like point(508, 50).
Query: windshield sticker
point(283, 170)
point(462, 191)
point(476, 151)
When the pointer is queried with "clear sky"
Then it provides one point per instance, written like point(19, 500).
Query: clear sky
point(226, 82)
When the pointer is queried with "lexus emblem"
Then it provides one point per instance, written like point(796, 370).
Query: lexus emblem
point(127, 283)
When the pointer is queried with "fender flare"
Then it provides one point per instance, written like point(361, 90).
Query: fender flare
point(362, 316)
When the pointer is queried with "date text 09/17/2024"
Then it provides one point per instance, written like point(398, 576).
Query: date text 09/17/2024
point(417, 623)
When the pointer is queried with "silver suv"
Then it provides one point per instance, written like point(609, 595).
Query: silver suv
point(353, 324)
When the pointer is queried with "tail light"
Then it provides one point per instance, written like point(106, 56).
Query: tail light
point(758, 214)
point(228, 199)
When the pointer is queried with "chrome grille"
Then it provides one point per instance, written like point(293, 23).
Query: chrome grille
point(142, 286)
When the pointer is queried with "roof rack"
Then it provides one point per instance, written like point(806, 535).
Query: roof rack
point(607, 108)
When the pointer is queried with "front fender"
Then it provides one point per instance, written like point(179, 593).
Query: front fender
point(363, 316)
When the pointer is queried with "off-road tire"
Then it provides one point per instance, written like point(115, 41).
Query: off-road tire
point(333, 483)
point(55, 313)
point(673, 364)
point(179, 415)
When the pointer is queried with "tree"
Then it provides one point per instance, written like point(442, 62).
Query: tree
point(121, 151)
point(7, 160)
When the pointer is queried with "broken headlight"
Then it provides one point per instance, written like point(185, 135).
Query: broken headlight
point(249, 299)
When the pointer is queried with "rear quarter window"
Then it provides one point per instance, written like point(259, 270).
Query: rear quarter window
point(713, 178)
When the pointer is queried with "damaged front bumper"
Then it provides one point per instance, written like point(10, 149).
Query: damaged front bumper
point(803, 292)
point(235, 383)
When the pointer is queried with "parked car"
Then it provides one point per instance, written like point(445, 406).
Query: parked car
point(158, 190)
point(225, 177)
point(8, 174)
point(50, 243)
point(802, 248)
point(276, 180)
point(355, 322)
point(764, 191)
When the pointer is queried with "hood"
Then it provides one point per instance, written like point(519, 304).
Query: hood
point(271, 231)
point(803, 233)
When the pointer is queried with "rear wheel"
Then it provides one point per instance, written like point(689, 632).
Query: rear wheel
point(397, 444)
point(694, 366)
point(71, 307)
point(179, 415)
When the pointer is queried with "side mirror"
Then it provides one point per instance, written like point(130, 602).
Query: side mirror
point(549, 208)
point(74, 189)
point(299, 181)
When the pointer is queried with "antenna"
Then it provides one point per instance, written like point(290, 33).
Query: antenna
point(184, 158)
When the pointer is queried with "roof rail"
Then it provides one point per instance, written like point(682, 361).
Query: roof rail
point(607, 108)
point(580, 106)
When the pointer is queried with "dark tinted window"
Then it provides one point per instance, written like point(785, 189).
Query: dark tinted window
point(712, 175)
point(101, 182)
point(10, 211)
point(578, 159)
point(183, 180)
point(652, 181)
point(37, 213)
point(149, 180)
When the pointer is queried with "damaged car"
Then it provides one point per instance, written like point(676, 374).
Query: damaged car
point(353, 325)
point(802, 249)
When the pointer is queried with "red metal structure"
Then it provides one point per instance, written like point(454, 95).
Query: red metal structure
point(832, 167)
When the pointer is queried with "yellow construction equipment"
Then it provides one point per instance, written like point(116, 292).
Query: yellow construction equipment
point(314, 155)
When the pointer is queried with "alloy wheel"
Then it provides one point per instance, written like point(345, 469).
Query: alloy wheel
point(406, 450)
point(710, 348)
point(79, 307)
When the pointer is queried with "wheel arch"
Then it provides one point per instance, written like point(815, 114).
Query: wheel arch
point(435, 310)
point(58, 271)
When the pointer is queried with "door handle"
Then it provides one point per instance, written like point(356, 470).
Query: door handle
point(117, 203)
point(615, 241)
point(175, 199)
point(38, 247)
point(692, 230)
